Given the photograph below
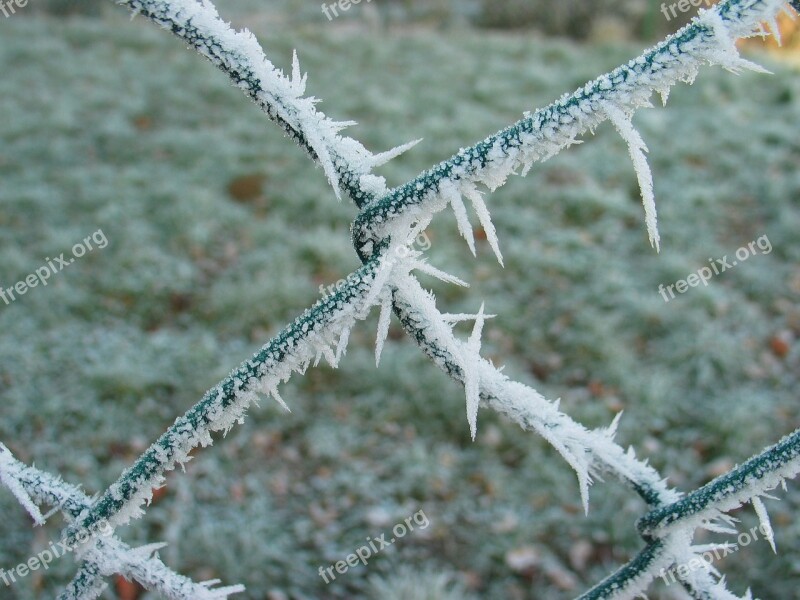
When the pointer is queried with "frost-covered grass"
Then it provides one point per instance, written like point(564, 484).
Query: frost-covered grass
point(220, 232)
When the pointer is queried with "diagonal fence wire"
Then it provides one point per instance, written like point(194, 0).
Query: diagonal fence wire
point(388, 220)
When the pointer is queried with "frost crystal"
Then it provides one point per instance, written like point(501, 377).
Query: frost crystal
point(637, 149)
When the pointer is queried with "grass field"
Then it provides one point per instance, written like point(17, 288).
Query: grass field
point(219, 231)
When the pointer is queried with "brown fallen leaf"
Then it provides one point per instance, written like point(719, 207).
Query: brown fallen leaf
point(779, 346)
point(127, 590)
point(246, 188)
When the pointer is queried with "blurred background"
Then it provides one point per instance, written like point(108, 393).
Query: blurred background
point(220, 231)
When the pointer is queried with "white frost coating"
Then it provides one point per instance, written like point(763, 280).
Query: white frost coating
point(239, 52)
point(674, 547)
point(637, 148)
point(317, 341)
point(383, 326)
point(717, 527)
point(679, 551)
point(377, 160)
point(458, 318)
point(725, 54)
point(475, 197)
point(614, 97)
point(452, 195)
point(471, 372)
point(341, 345)
point(585, 450)
point(423, 266)
point(107, 552)
point(611, 430)
point(763, 518)
point(144, 566)
point(706, 577)
point(774, 31)
point(9, 476)
point(273, 391)
point(555, 127)
point(298, 80)
point(734, 498)
point(377, 286)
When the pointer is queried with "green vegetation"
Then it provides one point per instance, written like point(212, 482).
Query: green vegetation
point(111, 124)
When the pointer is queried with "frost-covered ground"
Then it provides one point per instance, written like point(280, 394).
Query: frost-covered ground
point(219, 231)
